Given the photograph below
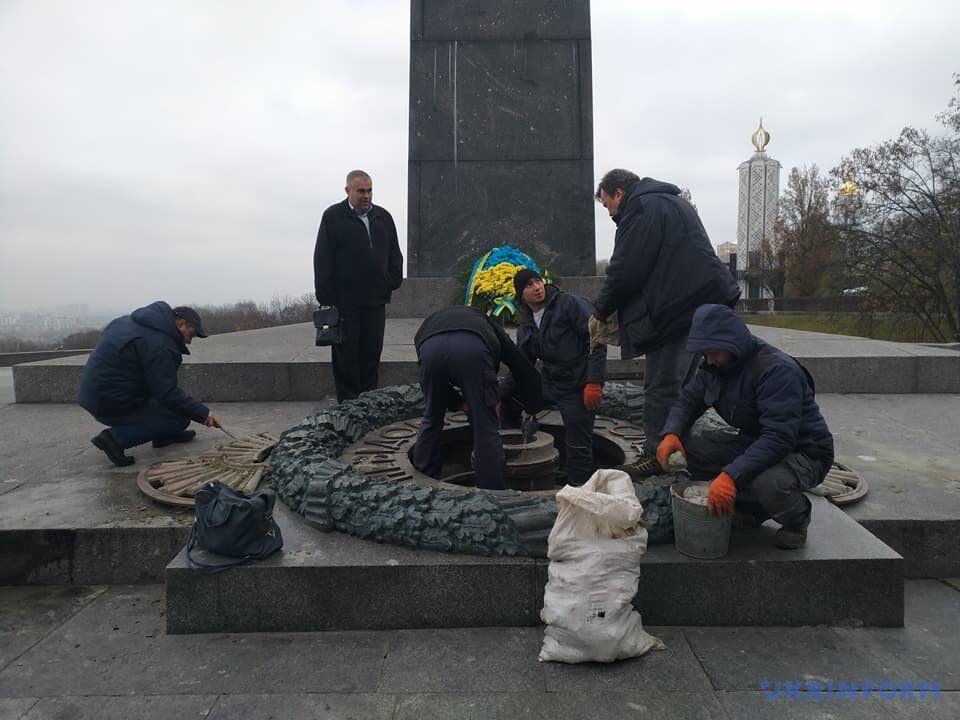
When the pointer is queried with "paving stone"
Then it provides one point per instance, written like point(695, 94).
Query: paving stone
point(359, 706)
point(742, 658)
point(927, 648)
point(467, 660)
point(757, 706)
point(953, 582)
point(558, 706)
point(675, 668)
point(117, 645)
point(150, 707)
point(15, 708)
point(946, 707)
point(27, 614)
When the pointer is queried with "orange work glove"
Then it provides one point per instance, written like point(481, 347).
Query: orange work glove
point(721, 494)
point(667, 447)
point(592, 393)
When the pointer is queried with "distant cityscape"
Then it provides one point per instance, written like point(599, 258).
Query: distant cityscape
point(49, 324)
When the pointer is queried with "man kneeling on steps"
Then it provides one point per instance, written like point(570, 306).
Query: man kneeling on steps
point(130, 381)
point(784, 446)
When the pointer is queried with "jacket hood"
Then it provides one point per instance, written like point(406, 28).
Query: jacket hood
point(159, 316)
point(645, 186)
point(717, 327)
point(525, 314)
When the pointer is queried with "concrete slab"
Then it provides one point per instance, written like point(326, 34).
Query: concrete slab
point(28, 614)
point(329, 581)
point(928, 652)
point(742, 658)
point(6, 385)
point(318, 706)
point(110, 659)
point(117, 646)
point(283, 364)
point(467, 660)
point(69, 516)
point(758, 706)
point(909, 452)
point(673, 670)
point(146, 707)
point(16, 707)
point(558, 705)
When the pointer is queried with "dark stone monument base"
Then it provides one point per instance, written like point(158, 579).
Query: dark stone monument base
point(330, 581)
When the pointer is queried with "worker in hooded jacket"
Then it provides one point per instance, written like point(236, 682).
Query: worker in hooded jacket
point(784, 445)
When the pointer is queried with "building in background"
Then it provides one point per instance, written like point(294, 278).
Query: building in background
point(757, 213)
point(725, 250)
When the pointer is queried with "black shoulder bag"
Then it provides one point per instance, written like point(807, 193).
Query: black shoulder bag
point(329, 325)
point(234, 525)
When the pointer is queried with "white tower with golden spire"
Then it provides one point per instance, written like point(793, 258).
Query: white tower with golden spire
point(757, 211)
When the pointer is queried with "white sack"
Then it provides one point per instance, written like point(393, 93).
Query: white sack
point(594, 549)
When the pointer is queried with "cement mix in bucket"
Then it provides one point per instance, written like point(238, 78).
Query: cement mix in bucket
point(696, 495)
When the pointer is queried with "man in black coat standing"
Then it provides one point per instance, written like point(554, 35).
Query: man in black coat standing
point(130, 381)
point(357, 264)
point(662, 269)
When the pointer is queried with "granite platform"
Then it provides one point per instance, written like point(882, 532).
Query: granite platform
point(331, 581)
point(282, 364)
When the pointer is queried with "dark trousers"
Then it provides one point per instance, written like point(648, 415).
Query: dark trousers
point(151, 422)
point(356, 360)
point(577, 429)
point(460, 359)
point(776, 493)
point(666, 370)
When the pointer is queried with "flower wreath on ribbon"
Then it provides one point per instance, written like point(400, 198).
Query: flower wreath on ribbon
point(490, 286)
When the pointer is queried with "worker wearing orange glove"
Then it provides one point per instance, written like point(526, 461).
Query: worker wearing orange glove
point(554, 328)
point(784, 445)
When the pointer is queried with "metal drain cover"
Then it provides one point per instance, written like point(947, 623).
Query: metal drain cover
point(239, 464)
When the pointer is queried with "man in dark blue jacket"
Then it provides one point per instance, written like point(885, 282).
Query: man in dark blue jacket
point(554, 327)
point(130, 381)
point(459, 351)
point(784, 446)
point(663, 268)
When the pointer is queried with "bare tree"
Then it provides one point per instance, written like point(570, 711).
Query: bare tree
point(906, 238)
point(805, 236)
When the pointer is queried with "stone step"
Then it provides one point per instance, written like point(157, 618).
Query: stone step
point(281, 363)
point(330, 581)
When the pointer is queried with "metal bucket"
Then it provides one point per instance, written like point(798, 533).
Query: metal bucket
point(697, 533)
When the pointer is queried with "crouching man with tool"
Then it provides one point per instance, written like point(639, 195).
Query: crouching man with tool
point(130, 381)
point(459, 351)
point(784, 446)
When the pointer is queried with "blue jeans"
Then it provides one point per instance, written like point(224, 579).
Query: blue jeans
point(151, 422)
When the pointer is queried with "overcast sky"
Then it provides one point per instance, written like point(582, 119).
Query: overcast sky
point(186, 149)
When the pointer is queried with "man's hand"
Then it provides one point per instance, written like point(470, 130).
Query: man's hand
point(592, 395)
point(212, 421)
point(721, 494)
point(667, 447)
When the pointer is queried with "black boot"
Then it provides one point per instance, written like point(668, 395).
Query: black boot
point(791, 538)
point(104, 441)
point(180, 437)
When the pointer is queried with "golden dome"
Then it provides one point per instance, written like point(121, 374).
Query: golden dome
point(760, 137)
point(849, 187)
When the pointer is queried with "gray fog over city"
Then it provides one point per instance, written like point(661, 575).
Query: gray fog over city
point(186, 150)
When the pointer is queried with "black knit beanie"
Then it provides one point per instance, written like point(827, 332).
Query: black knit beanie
point(520, 280)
